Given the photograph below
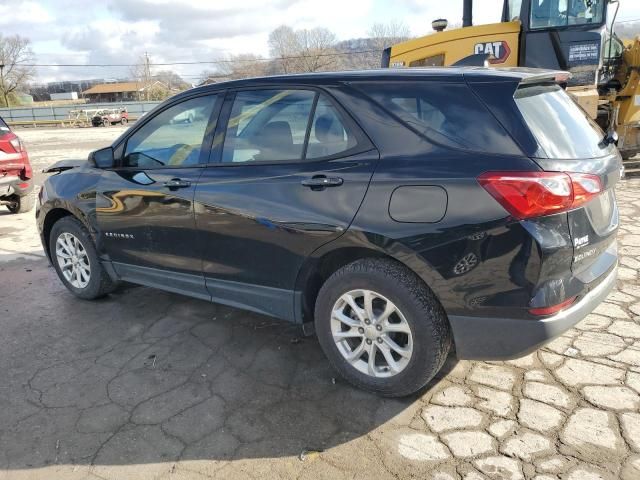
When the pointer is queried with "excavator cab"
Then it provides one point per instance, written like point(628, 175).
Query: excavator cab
point(554, 34)
point(561, 34)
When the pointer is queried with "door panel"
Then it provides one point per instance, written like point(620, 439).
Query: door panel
point(145, 208)
point(147, 224)
point(259, 222)
point(262, 208)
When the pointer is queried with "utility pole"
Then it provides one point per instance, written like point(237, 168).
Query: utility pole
point(147, 75)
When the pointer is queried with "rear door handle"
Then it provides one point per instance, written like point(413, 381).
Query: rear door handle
point(320, 182)
point(177, 183)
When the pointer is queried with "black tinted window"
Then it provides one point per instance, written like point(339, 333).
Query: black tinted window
point(447, 113)
point(562, 129)
point(329, 135)
point(268, 125)
point(172, 138)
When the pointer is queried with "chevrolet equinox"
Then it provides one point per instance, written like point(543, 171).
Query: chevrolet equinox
point(399, 214)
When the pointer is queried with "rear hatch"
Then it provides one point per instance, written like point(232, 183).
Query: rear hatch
point(569, 141)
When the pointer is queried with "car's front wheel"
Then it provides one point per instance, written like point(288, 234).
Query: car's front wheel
point(381, 327)
point(76, 261)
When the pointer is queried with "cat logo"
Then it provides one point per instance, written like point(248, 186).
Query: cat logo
point(499, 51)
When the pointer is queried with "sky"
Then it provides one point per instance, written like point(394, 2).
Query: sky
point(120, 31)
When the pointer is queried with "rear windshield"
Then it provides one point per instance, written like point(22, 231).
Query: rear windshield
point(562, 129)
point(447, 113)
point(3, 126)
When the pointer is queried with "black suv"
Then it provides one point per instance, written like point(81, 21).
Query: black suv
point(403, 213)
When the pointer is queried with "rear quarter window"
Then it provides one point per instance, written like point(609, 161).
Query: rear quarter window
point(446, 113)
point(562, 129)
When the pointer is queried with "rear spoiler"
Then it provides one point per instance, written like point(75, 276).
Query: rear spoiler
point(560, 77)
point(63, 165)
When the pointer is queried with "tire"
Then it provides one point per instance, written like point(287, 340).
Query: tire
point(23, 204)
point(106, 123)
point(123, 121)
point(417, 307)
point(99, 282)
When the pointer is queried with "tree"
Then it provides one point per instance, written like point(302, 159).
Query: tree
point(15, 73)
point(306, 50)
point(386, 34)
point(317, 49)
point(244, 65)
point(171, 79)
point(141, 73)
point(382, 36)
point(156, 92)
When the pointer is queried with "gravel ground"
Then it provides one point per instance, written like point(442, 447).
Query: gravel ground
point(146, 384)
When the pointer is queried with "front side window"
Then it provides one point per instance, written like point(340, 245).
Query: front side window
point(447, 113)
point(562, 13)
point(172, 138)
point(282, 125)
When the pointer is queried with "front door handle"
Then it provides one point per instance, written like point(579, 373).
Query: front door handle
point(320, 182)
point(177, 183)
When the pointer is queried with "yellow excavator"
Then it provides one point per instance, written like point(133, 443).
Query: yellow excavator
point(571, 35)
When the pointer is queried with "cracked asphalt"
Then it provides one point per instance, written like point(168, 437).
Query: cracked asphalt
point(146, 384)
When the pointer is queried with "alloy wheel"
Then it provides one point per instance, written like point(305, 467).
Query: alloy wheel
point(73, 260)
point(371, 333)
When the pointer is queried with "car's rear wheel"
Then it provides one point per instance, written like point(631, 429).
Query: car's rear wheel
point(123, 121)
point(76, 261)
point(22, 204)
point(381, 327)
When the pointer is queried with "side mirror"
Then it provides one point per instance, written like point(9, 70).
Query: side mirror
point(102, 158)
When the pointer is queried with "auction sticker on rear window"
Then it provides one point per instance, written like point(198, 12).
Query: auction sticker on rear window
point(584, 53)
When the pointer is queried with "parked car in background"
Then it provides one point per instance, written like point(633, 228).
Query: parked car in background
point(110, 116)
point(400, 213)
point(16, 184)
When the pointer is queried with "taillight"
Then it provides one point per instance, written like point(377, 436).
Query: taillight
point(553, 309)
point(585, 187)
point(535, 194)
point(17, 144)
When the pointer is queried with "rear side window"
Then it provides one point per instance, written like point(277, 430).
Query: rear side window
point(267, 125)
point(283, 125)
point(562, 129)
point(447, 113)
point(328, 135)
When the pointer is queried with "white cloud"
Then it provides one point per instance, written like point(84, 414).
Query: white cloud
point(24, 13)
point(119, 31)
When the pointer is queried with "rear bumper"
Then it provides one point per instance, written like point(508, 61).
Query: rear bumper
point(12, 185)
point(485, 338)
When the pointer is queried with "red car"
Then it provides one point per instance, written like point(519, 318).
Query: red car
point(16, 175)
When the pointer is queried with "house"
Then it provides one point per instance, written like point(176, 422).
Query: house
point(123, 91)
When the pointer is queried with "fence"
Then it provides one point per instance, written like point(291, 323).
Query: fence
point(53, 114)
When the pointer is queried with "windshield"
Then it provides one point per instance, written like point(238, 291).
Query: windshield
point(563, 13)
point(563, 130)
